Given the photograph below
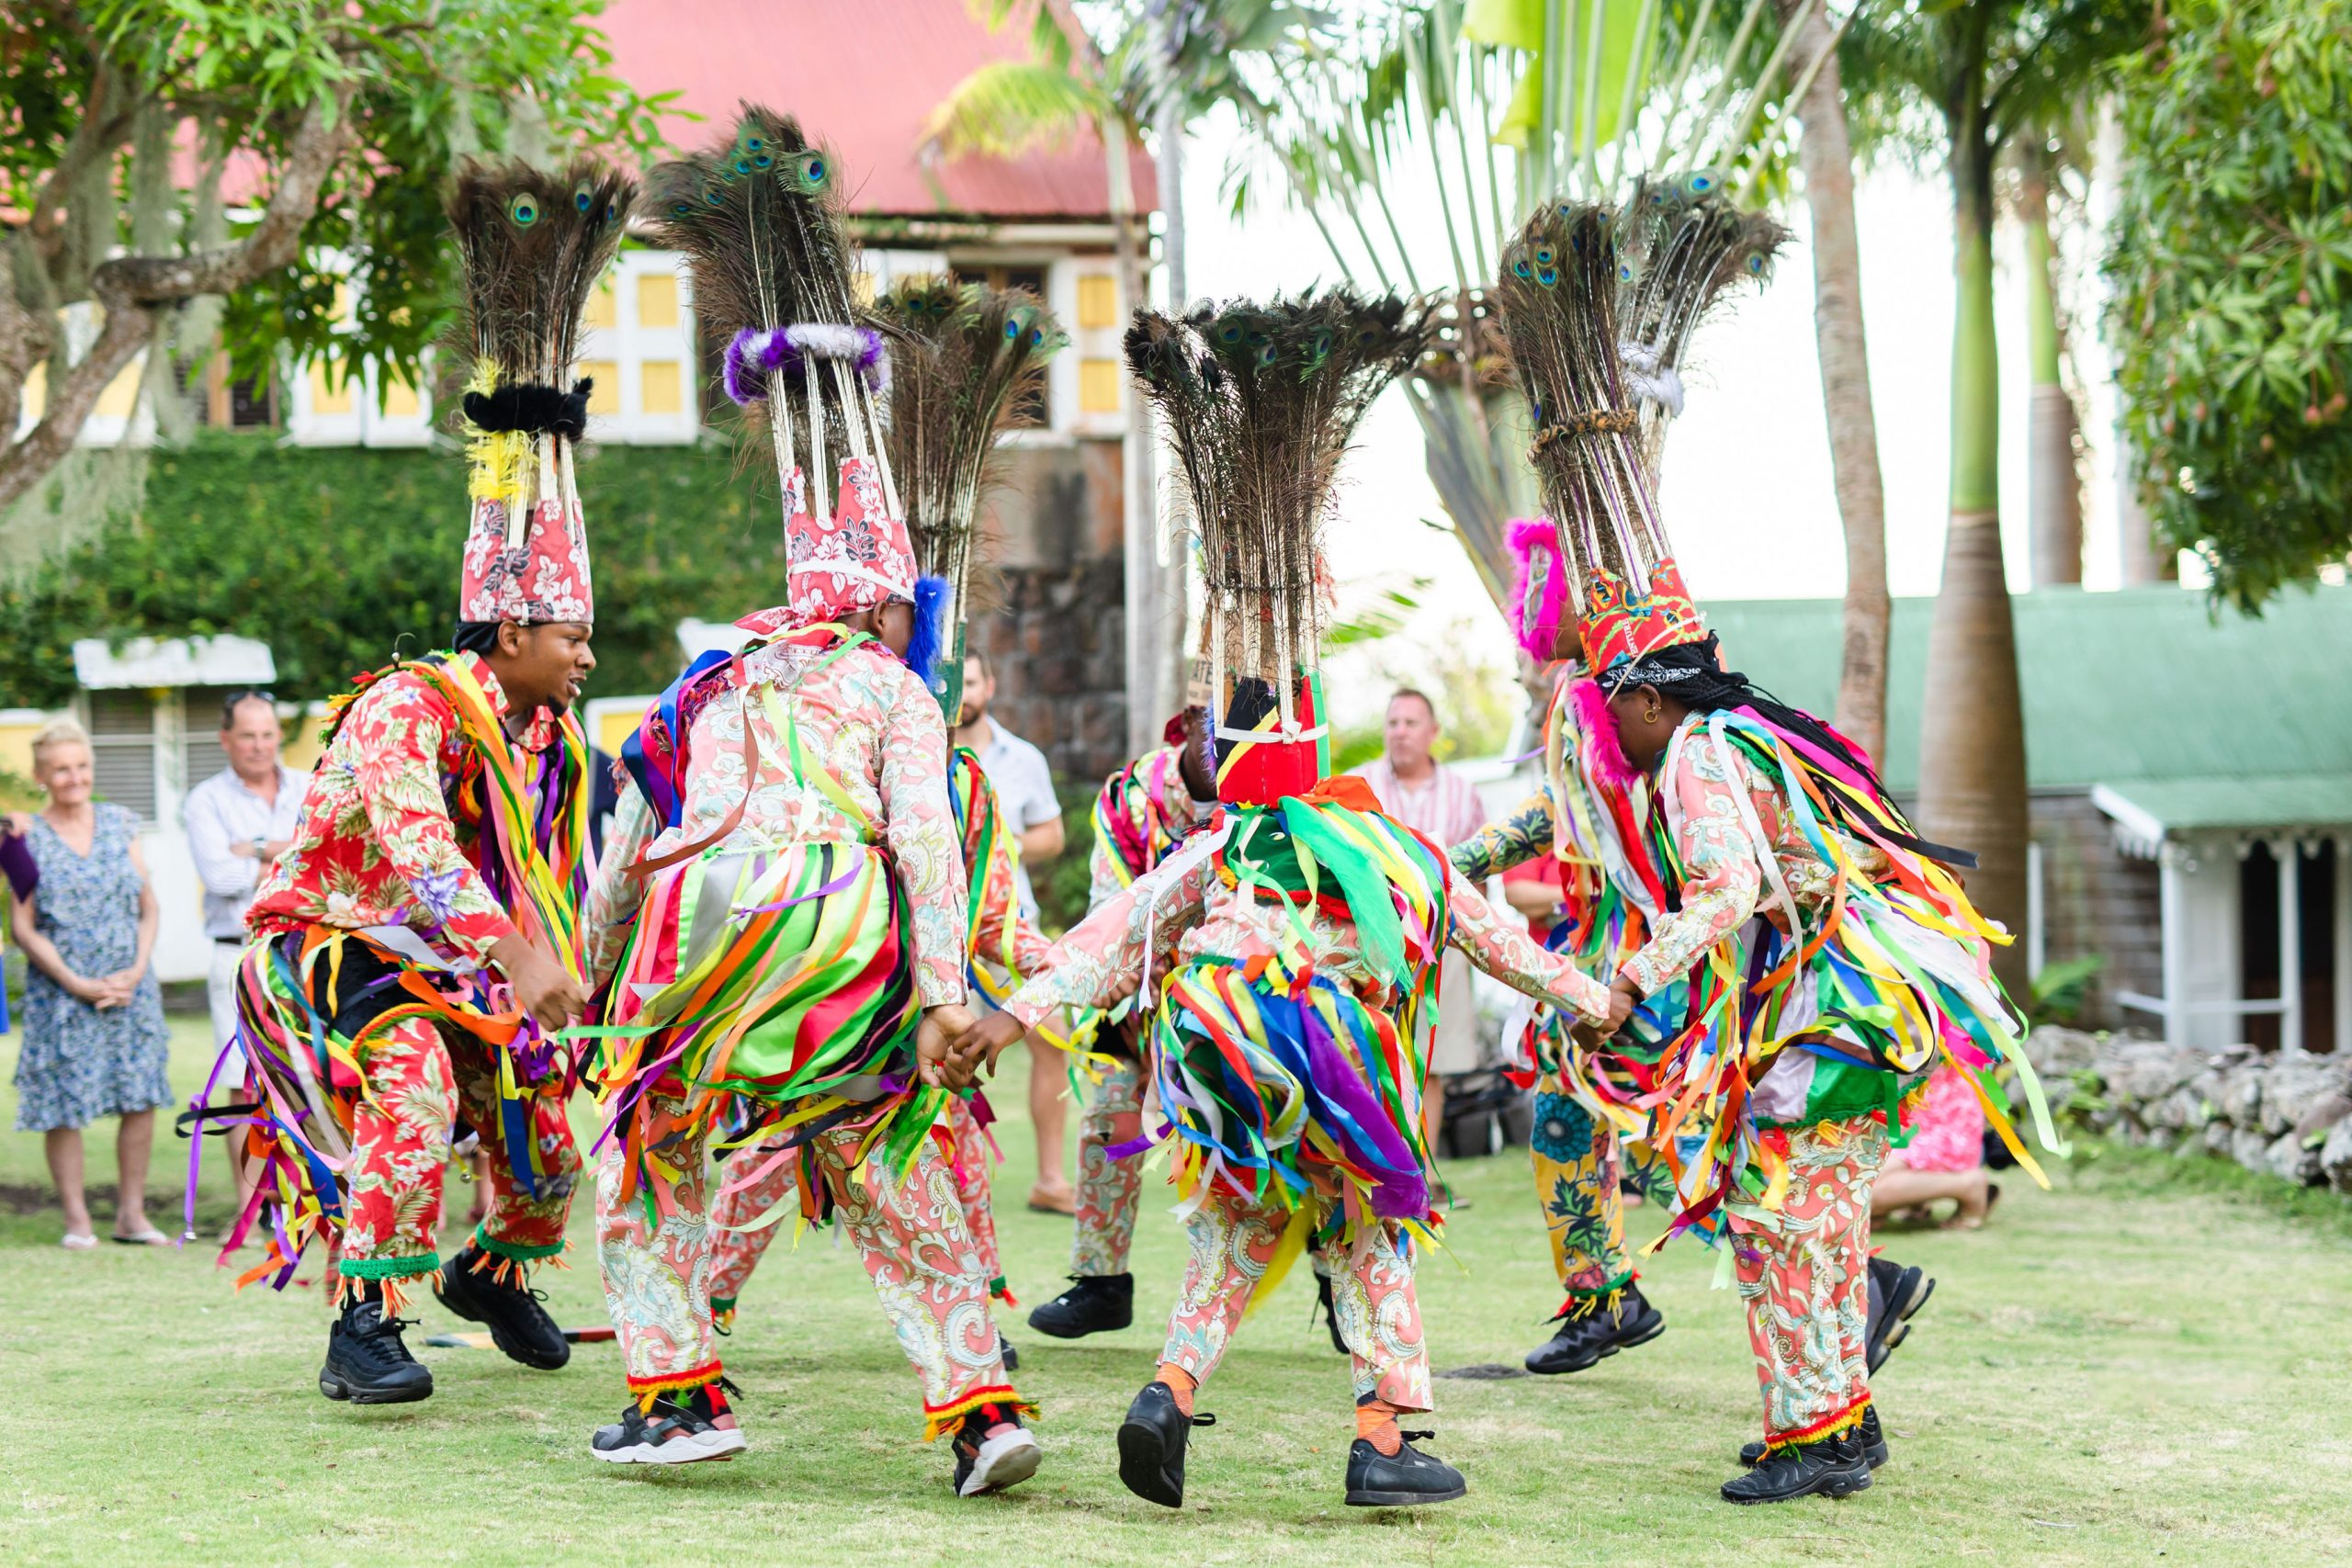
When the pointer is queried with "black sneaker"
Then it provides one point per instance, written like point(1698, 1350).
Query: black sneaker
point(1151, 1445)
point(1094, 1303)
point(1896, 1293)
point(990, 1464)
point(1834, 1467)
point(518, 1325)
point(367, 1363)
point(1400, 1480)
point(1595, 1332)
point(1866, 1432)
point(1011, 1357)
point(1330, 1312)
point(684, 1430)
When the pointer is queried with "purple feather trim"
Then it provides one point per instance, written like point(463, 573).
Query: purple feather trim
point(758, 352)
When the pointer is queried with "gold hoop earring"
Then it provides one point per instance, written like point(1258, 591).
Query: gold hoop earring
point(1653, 714)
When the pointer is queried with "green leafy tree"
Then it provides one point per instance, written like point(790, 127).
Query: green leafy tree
point(2232, 272)
point(1956, 82)
point(314, 128)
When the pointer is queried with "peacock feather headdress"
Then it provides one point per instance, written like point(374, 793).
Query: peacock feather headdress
point(1261, 401)
point(963, 360)
point(758, 215)
point(1598, 305)
point(531, 243)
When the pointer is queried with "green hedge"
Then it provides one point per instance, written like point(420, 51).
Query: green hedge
point(339, 557)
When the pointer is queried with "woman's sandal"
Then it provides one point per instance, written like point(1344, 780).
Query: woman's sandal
point(72, 1243)
point(150, 1237)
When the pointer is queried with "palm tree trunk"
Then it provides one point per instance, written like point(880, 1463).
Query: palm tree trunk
point(1141, 580)
point(2056, 490)
point(1972, 733)
point(1826, 154)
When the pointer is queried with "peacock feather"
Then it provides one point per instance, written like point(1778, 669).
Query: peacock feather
point(1261, 401)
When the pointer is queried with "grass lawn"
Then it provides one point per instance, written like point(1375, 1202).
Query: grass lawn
point(2143, 1364)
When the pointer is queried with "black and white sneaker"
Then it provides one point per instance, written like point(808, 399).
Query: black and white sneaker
point(1094, 1303)
point(510, 1309)
point(1868, 1432)
point(1151, 1445)
point(369, 1363)
point(1834, 1467)
point(994, 1450)
point(675, 1431)
point(1402, 1480)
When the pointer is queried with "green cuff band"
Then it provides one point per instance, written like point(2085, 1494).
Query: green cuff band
point(406, 1268)
point(515, 1249)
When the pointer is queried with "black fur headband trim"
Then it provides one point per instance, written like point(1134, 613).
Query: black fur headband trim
point(540, 410)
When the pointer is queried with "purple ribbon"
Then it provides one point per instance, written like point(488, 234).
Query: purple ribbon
point(841, 883)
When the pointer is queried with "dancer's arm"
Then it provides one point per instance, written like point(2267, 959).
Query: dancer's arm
point(1723, 873)
point(397, 729)
point(1510, 955)
point(1101, 959)
point(920, 823)
point(1519, 836)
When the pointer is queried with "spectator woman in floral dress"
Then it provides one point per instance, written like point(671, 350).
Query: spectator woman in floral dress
point(94, 1043)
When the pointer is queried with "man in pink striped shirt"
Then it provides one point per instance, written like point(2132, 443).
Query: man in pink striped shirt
point(1443, 806)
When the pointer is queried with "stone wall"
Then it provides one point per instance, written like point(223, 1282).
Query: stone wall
point(1051, 612)
point(2283, 1113)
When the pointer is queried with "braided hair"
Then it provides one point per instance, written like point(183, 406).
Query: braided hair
point(1693, 673)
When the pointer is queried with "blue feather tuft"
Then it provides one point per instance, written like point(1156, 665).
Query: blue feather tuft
point(923, 649)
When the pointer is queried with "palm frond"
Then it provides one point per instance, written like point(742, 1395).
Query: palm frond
point(1010, 107)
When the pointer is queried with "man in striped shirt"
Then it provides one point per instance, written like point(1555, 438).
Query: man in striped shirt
point(1443, 806)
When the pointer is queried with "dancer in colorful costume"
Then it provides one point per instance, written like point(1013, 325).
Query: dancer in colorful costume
point(1142, 813)
point(962, 362)
point(1830, 956)
point(1299, 932)
point(1686, 244)
point(780, 917)
point(416, 950)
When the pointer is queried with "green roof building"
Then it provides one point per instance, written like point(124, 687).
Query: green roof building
point(2192, 792)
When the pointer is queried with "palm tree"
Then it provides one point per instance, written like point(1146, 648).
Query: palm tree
point(1983, 69)
point(2055, 495)
point(1826, 154)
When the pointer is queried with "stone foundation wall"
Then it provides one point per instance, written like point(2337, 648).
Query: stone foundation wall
point(2282, 1113)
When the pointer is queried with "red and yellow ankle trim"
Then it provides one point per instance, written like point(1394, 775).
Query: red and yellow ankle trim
point(1609, 1298)
point(1827, 1426)
point(649, 1389)
point(939, 1418)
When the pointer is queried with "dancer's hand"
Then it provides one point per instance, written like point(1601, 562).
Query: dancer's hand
point(936, 1062)
point(543, 988)
point(1623, 999)
point(985, 1041)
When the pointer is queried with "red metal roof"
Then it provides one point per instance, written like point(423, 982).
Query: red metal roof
point(864, 76)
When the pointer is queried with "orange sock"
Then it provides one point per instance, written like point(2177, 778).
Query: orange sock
point(1377, 1424)
point(1180, 1383)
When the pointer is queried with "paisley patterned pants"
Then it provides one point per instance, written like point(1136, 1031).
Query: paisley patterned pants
point(1577, 1172)
point(1804, 1274)
point(736, 1252)
point(1234, 1240)
point(419, 1080)
point(656, 1254)
point(1108, 1190)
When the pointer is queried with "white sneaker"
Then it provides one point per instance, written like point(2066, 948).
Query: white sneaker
point(1006, 1459)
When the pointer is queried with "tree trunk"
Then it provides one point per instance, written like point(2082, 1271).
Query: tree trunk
point(1826, 154)
point(1144, 611)
point(1972, 733)
point(2056, 491)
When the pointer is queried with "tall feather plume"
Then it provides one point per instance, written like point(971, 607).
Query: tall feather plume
point(1261, 401)
point(1559, 296)
point(758, 215)
point(1682, 244)
point(962, 361)
point(531, 243)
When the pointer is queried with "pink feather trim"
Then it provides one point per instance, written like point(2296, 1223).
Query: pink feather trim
point(1604, 752)
point(1528, 537)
